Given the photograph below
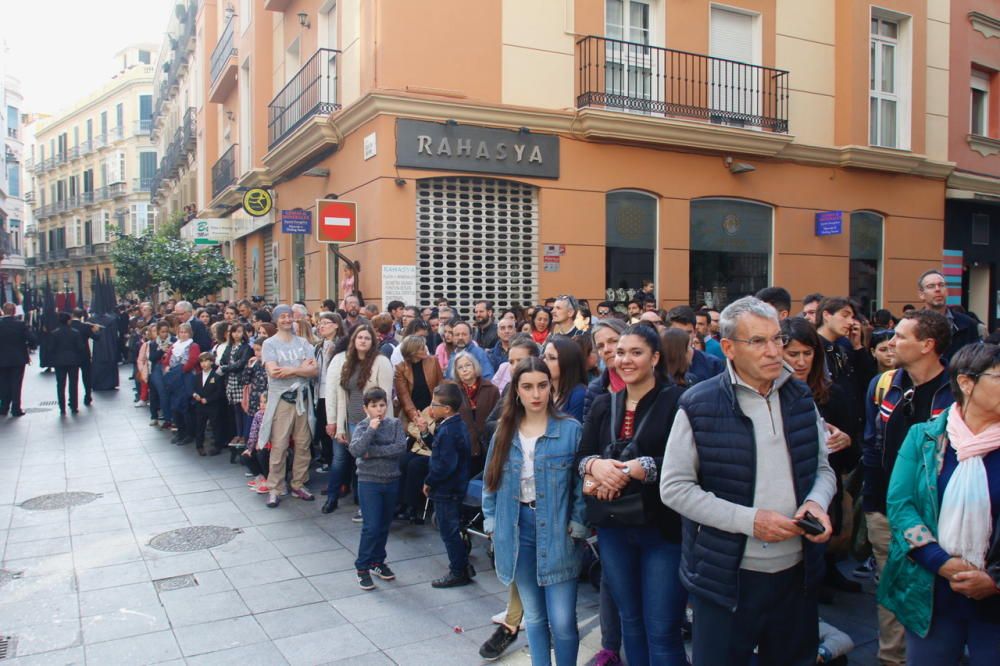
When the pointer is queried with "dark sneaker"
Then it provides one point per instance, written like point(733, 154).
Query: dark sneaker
point(356, 518)
point(303, 494)
point(452, 580)
point(365, 581)
point(866, 569)
point(272, 499)
point(383, 571)
point(329, 506)
point(496, 644)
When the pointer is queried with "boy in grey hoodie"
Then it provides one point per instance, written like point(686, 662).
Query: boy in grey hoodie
point(377, 445)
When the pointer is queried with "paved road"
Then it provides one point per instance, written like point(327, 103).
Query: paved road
point(90, 587)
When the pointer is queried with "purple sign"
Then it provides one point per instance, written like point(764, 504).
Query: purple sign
point(829, 223)
point(296, 221)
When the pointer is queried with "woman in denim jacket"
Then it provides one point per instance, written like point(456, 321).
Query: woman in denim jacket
point(533, 508)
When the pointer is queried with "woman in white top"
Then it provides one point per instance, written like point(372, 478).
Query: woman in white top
point(350, 374)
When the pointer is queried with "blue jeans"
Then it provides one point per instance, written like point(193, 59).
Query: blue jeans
point(339, 467)
point(546, 609)
point(163, 400)
point(640, 568)
point(448, 512)
point(955, 624)
point(611, 619)
point(378, 505)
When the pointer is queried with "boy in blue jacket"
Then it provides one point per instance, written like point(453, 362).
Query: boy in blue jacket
point(447, 480)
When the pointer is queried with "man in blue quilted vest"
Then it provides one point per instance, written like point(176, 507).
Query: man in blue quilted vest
point(746, 460)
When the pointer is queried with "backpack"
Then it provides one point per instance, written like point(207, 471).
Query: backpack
point(882, 387)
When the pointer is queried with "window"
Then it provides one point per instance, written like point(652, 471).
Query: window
point(866, 260)
point(477, 238)
point(14, 179)
point(120, 115)
point(246, 7)
point(78, 232)
point(13, 119)
point(76, 137)
point(630, 243)
point(980, 229)
point(980, 105)
point(734, 38)
point(143, 57)
point(887, 82)
point(104, 124)
point(145, 107)
point(629, 70)
point(147, 168)
point(730, 250)
point(90, 130)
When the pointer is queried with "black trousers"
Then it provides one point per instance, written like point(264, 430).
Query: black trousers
point(213, 413)
point(320, 438)
point(85, 374)
point(11, 379)
point(414, 469)
point(72, 373)
point(774, 612)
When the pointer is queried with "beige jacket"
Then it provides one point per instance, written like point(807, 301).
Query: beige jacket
point(336, 395)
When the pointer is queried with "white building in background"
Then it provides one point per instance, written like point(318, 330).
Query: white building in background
point(12, 191)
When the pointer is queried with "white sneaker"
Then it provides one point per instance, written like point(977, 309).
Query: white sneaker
point(154, 423)
point(140, 403)
point(356, 518)
point(501, 616)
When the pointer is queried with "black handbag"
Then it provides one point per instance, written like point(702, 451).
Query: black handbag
point(626, 510)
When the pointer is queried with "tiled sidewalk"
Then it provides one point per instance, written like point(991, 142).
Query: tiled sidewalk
point(281, 591)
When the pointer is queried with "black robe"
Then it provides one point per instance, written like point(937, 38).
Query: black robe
point(104, 368)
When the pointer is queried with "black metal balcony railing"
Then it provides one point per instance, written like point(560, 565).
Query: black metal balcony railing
point(224, 171)
point(633, 77)
point(312, 91)
point(223, 49)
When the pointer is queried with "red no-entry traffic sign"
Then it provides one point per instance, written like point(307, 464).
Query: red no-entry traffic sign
point(336, 221)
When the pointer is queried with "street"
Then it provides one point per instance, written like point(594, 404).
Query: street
point(83, 585)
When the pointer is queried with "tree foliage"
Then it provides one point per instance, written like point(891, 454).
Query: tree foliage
point(145, 263)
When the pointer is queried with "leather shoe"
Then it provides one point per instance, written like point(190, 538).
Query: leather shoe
point(201, 452)
point(329, 506)
point(18, 412)
point(87, 401)
point(452, 580)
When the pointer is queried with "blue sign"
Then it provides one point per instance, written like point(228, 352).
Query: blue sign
point(296, 221)
point(829, 222)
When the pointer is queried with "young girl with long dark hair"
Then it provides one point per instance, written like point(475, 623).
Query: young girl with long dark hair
point(533, 508)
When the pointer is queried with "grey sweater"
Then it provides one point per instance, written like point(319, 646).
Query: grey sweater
point(774, 489)
point(378, 451)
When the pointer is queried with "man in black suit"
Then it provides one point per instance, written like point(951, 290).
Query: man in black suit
point(87, 333)
point(69, 350)
point(184, 312)
point(15, 341)
point(209, 403)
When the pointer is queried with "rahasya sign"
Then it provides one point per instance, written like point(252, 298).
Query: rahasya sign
point(455, 147)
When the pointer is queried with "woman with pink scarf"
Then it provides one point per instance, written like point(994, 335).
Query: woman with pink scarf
point(942, 578)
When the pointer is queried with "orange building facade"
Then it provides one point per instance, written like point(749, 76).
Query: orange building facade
point(513, 150)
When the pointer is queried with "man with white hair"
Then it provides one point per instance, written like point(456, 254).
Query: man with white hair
point(184, 312)
point(746, 466)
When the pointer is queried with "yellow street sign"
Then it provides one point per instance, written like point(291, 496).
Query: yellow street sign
point(257, 202)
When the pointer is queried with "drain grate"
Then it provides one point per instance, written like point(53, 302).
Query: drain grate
point(58, 501)
point(7, 644)
point(175, 583)
point(36, 410)
point(48, 403)
point(6, 575)
point(199, 537)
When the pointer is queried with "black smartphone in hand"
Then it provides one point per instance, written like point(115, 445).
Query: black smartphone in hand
point(810, 524)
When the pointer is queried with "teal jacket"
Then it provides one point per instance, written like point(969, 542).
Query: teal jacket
point(905, 587)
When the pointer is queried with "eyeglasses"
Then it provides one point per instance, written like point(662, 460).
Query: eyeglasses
point(759, 343)
point(988, 374)
point(436, 404)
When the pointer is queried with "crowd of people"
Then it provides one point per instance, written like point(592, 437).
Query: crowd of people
point(725, 461)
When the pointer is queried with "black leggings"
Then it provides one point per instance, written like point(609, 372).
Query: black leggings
point(414, 469)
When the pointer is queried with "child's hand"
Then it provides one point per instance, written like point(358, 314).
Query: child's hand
point(246, 452)
point(375, 423)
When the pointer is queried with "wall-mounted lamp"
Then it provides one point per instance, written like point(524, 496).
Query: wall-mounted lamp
point(230, 116)
point(737, 168)
point(523, 130)
point(451, 122)
point(401, 182)
point(304, 19)
point(331, 195)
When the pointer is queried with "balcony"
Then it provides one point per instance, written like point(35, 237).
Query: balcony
point(12, 132)
point(652, 81)
point(87, 198)
point(224, 171)
point(312, 91)
point(116, 190)
point(142, 127)
point(58, 255)
point(101, 141)
point(222, 66)
point(30, 262)
point(29, 198)
point(116, 134)
point(142, 184)
point(78, 252)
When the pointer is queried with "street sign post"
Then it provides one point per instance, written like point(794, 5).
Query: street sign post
point(336, 221)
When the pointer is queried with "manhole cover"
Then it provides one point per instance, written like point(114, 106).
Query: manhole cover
point(175, 583)
point(58, 501)
point(7, 644)
point(193, 538)
point(36, 410)
point(6, 575)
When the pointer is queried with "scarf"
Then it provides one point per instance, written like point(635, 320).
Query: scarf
point(179, 352)
point(615, 381)
point(539, 336)
point(966, 524)
point(471, 392)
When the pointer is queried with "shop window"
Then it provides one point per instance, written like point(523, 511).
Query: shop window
point(630, 243)
point(477, 238)
point(866, 260)
point(980, 229)
point(730, 250)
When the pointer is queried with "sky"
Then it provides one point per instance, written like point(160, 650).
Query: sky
point(62, 50)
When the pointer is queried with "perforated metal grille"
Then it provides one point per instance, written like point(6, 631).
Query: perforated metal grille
point(477, 238)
